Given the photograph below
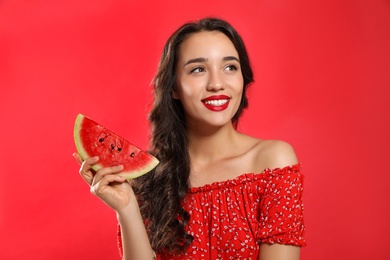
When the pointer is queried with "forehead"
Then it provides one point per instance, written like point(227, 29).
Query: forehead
point(206, 44)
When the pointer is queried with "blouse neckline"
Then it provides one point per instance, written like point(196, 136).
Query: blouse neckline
point(245, 178)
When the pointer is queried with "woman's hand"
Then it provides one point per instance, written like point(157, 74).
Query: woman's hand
point(107, 184)
point(117, 193)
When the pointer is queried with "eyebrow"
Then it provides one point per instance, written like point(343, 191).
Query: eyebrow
point(201, 60)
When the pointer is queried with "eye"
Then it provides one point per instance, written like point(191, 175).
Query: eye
point(231, 67)
point(197, 70)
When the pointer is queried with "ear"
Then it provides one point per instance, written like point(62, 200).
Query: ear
point(175, 95)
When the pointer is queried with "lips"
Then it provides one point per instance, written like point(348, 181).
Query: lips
point(216, 102)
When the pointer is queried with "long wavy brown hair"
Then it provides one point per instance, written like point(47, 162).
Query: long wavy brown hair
point(162, 191)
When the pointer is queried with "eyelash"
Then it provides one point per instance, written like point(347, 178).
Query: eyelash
point(234, 67)
point(194, 70)
point(201, 69)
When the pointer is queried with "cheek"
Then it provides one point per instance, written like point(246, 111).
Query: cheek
point(239, 89)
point(238, 85)
point(186, 91)
point(190, 88)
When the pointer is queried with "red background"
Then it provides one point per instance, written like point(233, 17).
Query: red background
point(322, 84)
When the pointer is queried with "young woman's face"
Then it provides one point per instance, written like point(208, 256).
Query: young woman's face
point(209, 81)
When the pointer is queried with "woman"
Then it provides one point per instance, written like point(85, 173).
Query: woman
point(213, 195)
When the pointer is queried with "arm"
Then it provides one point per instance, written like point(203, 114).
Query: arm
point(116, 192)
point(279, 155)
point(135, 240)
point(279, 252)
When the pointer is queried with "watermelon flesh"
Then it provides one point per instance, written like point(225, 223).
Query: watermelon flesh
point(92, 139)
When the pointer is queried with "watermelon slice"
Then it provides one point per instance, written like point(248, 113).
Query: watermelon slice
point(92, 139)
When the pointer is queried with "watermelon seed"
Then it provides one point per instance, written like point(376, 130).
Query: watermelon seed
point(112, 146)
point(119, 149)
point(132, 154)
point(101, 139)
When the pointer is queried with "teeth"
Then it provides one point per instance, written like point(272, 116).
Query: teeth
point(216, 102)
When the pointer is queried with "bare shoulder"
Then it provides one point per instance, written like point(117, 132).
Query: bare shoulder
point(274, 154)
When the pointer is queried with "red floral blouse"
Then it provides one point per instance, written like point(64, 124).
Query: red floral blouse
point(230, 219)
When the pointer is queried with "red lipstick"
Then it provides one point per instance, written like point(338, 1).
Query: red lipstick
point(216, 103)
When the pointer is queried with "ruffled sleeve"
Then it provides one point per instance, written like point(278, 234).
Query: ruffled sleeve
point(281, 207)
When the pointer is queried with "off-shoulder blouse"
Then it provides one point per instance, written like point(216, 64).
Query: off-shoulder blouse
point(230, 219)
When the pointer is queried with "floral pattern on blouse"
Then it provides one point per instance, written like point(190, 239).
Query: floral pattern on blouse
point(230, 219)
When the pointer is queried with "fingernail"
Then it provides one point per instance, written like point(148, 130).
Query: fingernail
point(95, 158)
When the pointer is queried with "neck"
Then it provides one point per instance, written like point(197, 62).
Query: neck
point(211, 144)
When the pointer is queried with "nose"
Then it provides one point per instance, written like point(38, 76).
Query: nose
point(215, 82)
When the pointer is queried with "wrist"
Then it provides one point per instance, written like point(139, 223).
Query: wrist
point(130, 211)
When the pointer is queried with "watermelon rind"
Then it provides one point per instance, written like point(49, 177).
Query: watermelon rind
point(77, 138)
point(128, 174)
